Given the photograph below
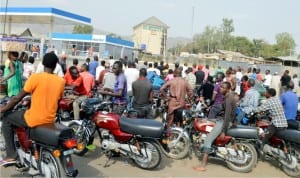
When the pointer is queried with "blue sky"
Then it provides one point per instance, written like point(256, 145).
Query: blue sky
point(252, 18)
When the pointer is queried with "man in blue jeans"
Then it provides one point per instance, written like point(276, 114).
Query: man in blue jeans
point(221, 125)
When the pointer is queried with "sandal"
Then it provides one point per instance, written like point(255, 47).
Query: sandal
point(7, 161)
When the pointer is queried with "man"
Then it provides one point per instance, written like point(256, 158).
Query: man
point(58, 70)
point(88, 79)
point(76, 82)
point(142, 94)
point(285, 79)
point(102, 74)
point(268, 79)
point(99, 69)
point(43, 105)
point(217, 97)
point(178, 89)
point(93, 65)
point(120, 89)
point(206, 72)
point(249, 102)
point(274, 107)
point(289, 101)
point(221, 125)
point(190, 77)
point(199, 78)
point(131, 74)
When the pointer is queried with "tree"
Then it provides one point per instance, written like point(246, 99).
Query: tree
point(244, 46)
point(85, 29)
point(285, 43)
point(227, 28)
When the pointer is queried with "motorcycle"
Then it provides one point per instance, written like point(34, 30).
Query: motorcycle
point(132, 138)
point(284, 146)
point(47, 158)
point(236, 149)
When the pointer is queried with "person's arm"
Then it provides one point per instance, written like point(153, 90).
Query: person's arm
point(150, 96)
point(229, 106)
point(162, 89)
point(12, 72)
point(14, 100)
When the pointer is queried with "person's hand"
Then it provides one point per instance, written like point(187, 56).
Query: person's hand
point(222, 135)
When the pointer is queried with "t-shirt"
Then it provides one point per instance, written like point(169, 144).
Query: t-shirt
point(141, 89)
point(289, 101)
point(219, 99)
point(131, 74)
point(88, 82)
point(78, 82)
point(92, 68)
point(121, 84)
point(46, 90)
point(199, 77)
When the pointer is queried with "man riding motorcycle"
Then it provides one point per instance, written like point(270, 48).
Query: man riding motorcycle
point(43, 105)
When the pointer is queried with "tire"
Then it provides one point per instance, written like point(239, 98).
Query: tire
point(51, 166)
point(150, 157)
point(250, 163)
point(293, 172)
point(179, 150)
point(81, 137)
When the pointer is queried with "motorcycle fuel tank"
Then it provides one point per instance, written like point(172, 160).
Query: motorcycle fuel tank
point(65, 104)
point(107, 120)
point(203, 125)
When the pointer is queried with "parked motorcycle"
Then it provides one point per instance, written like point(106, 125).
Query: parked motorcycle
point(284, 146)
point(236, 149)
point(132, 138)
point(49, 157)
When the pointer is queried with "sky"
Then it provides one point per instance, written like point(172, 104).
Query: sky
point(260, 19)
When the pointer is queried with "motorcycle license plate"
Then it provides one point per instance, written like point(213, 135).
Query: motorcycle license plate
point(68, 152)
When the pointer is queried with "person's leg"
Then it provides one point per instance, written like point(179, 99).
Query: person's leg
point(149, 113)
point(216, 131)
point(240, 116)
point(76, 106)
point(9, 122)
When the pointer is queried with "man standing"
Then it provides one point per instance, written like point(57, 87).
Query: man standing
point(249, 102)
point(93, 65)
point(221, 125)
point(178, 88)
point(43, 105)
point(88, 79)
point(199, 78)
point(131, 74)
point(99, 69)
point(142, 95)
point(289, 101)
point(76, 82)
point(190, 77)
point(285, 79)
point(120, 89)
point(267, 79)
point(217, 97)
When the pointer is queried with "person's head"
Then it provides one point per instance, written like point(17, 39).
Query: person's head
point(225, 88)
point(220, 76)
point(155, 64)
point(143, 72)
point(207, 66)
point(251, 82)
point(258, 70)
point(87, 60)
point(161, 63)
point(50, 60)
point(200, 67)
point(185, 64)
point(24, 57)
point(102, 63)
point(131, 64)
point(75, 62)
point(254, 70)
point(74, 72)
point(170, 71)
point(189, 69)
point(31, 59)
point(150, 65)
point(176, 65)
point(84, 67)
point(146, 63)
point(286, 72)
point(107, 65)
point(210, 79)
point(13, 55)
point(295, 76)
point(63, 57)
point(96, 58)
point(271, 92)
point(267, 72)
point(249, 70)
point(117, 67)
point(290, 85)
point(244, 78)
point(177, 73)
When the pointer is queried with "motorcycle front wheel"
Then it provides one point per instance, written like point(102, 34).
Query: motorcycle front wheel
point(81, 137)
point(178, 145)
point(149, 157)
point(249, 153)
point(51, 166)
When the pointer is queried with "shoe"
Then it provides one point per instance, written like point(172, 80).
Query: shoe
point(7, 161)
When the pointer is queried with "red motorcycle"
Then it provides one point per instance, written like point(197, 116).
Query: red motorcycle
point(49, 157)
point(132, 138)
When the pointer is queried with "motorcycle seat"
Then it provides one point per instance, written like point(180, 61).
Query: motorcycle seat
point(241, 131)
point(291, 135)
point(143, 127)
point(51, 134)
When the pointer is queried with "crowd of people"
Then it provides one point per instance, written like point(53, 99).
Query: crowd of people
point(126, 82)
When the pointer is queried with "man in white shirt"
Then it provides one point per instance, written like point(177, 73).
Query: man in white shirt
point(267, 80)
point(58, 70)
point(132, 74)
point(99, 69)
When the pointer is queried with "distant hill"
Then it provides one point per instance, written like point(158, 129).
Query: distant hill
point(173, 41)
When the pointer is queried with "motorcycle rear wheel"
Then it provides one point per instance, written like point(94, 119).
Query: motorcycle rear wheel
point(181, 149)
point(82, 138)
point(250, 164)
point(150, 156)
point(293, 172)
point(51, 166)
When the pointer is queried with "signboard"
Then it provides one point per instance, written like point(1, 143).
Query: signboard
point(13, 44)
point(143, 46)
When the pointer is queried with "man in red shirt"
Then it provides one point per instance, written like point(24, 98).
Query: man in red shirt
point(88, 79)
point(76, 81)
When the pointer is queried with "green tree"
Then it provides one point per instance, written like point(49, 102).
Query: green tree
point(244, 46)
point(285, 44)
point(226, 29)
point(84, 29)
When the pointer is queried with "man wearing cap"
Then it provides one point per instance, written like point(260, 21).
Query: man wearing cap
point(43, 105)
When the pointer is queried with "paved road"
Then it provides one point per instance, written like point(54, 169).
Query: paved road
point(93, 165)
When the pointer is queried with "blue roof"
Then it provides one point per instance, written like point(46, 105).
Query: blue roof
point(30, 10)
point(119, 41)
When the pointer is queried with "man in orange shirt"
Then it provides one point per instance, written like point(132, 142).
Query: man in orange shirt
point(76, 82)
point(88, 79)
point(46, 89)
